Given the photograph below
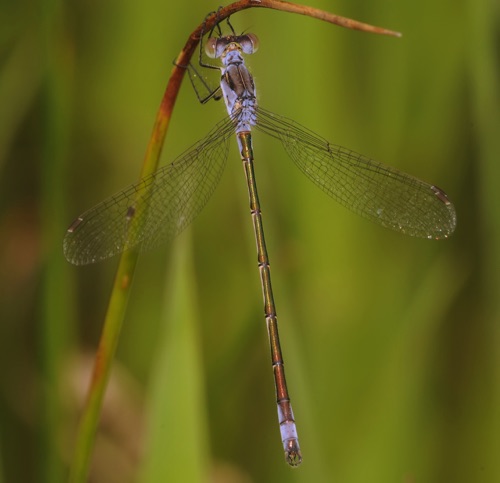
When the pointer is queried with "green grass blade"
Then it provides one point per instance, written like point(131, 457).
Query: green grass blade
point(177, 439)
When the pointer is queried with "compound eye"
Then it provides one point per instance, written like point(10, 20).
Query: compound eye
point(249, 43)
point(211, 47)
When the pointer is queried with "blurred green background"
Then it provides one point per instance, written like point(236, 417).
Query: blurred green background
point(390, 343)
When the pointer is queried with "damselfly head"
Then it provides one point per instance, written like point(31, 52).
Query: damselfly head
point(217, 46)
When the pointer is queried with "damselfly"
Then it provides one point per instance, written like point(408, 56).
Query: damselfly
point(162, 204)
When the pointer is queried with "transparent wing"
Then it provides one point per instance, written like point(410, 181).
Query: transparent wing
point(155, 209)
point(382, 194)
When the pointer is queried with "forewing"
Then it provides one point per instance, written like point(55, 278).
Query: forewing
point(380, 193)
point(156, 208)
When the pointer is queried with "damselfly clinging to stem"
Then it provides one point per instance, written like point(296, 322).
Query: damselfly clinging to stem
point(162, 204)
